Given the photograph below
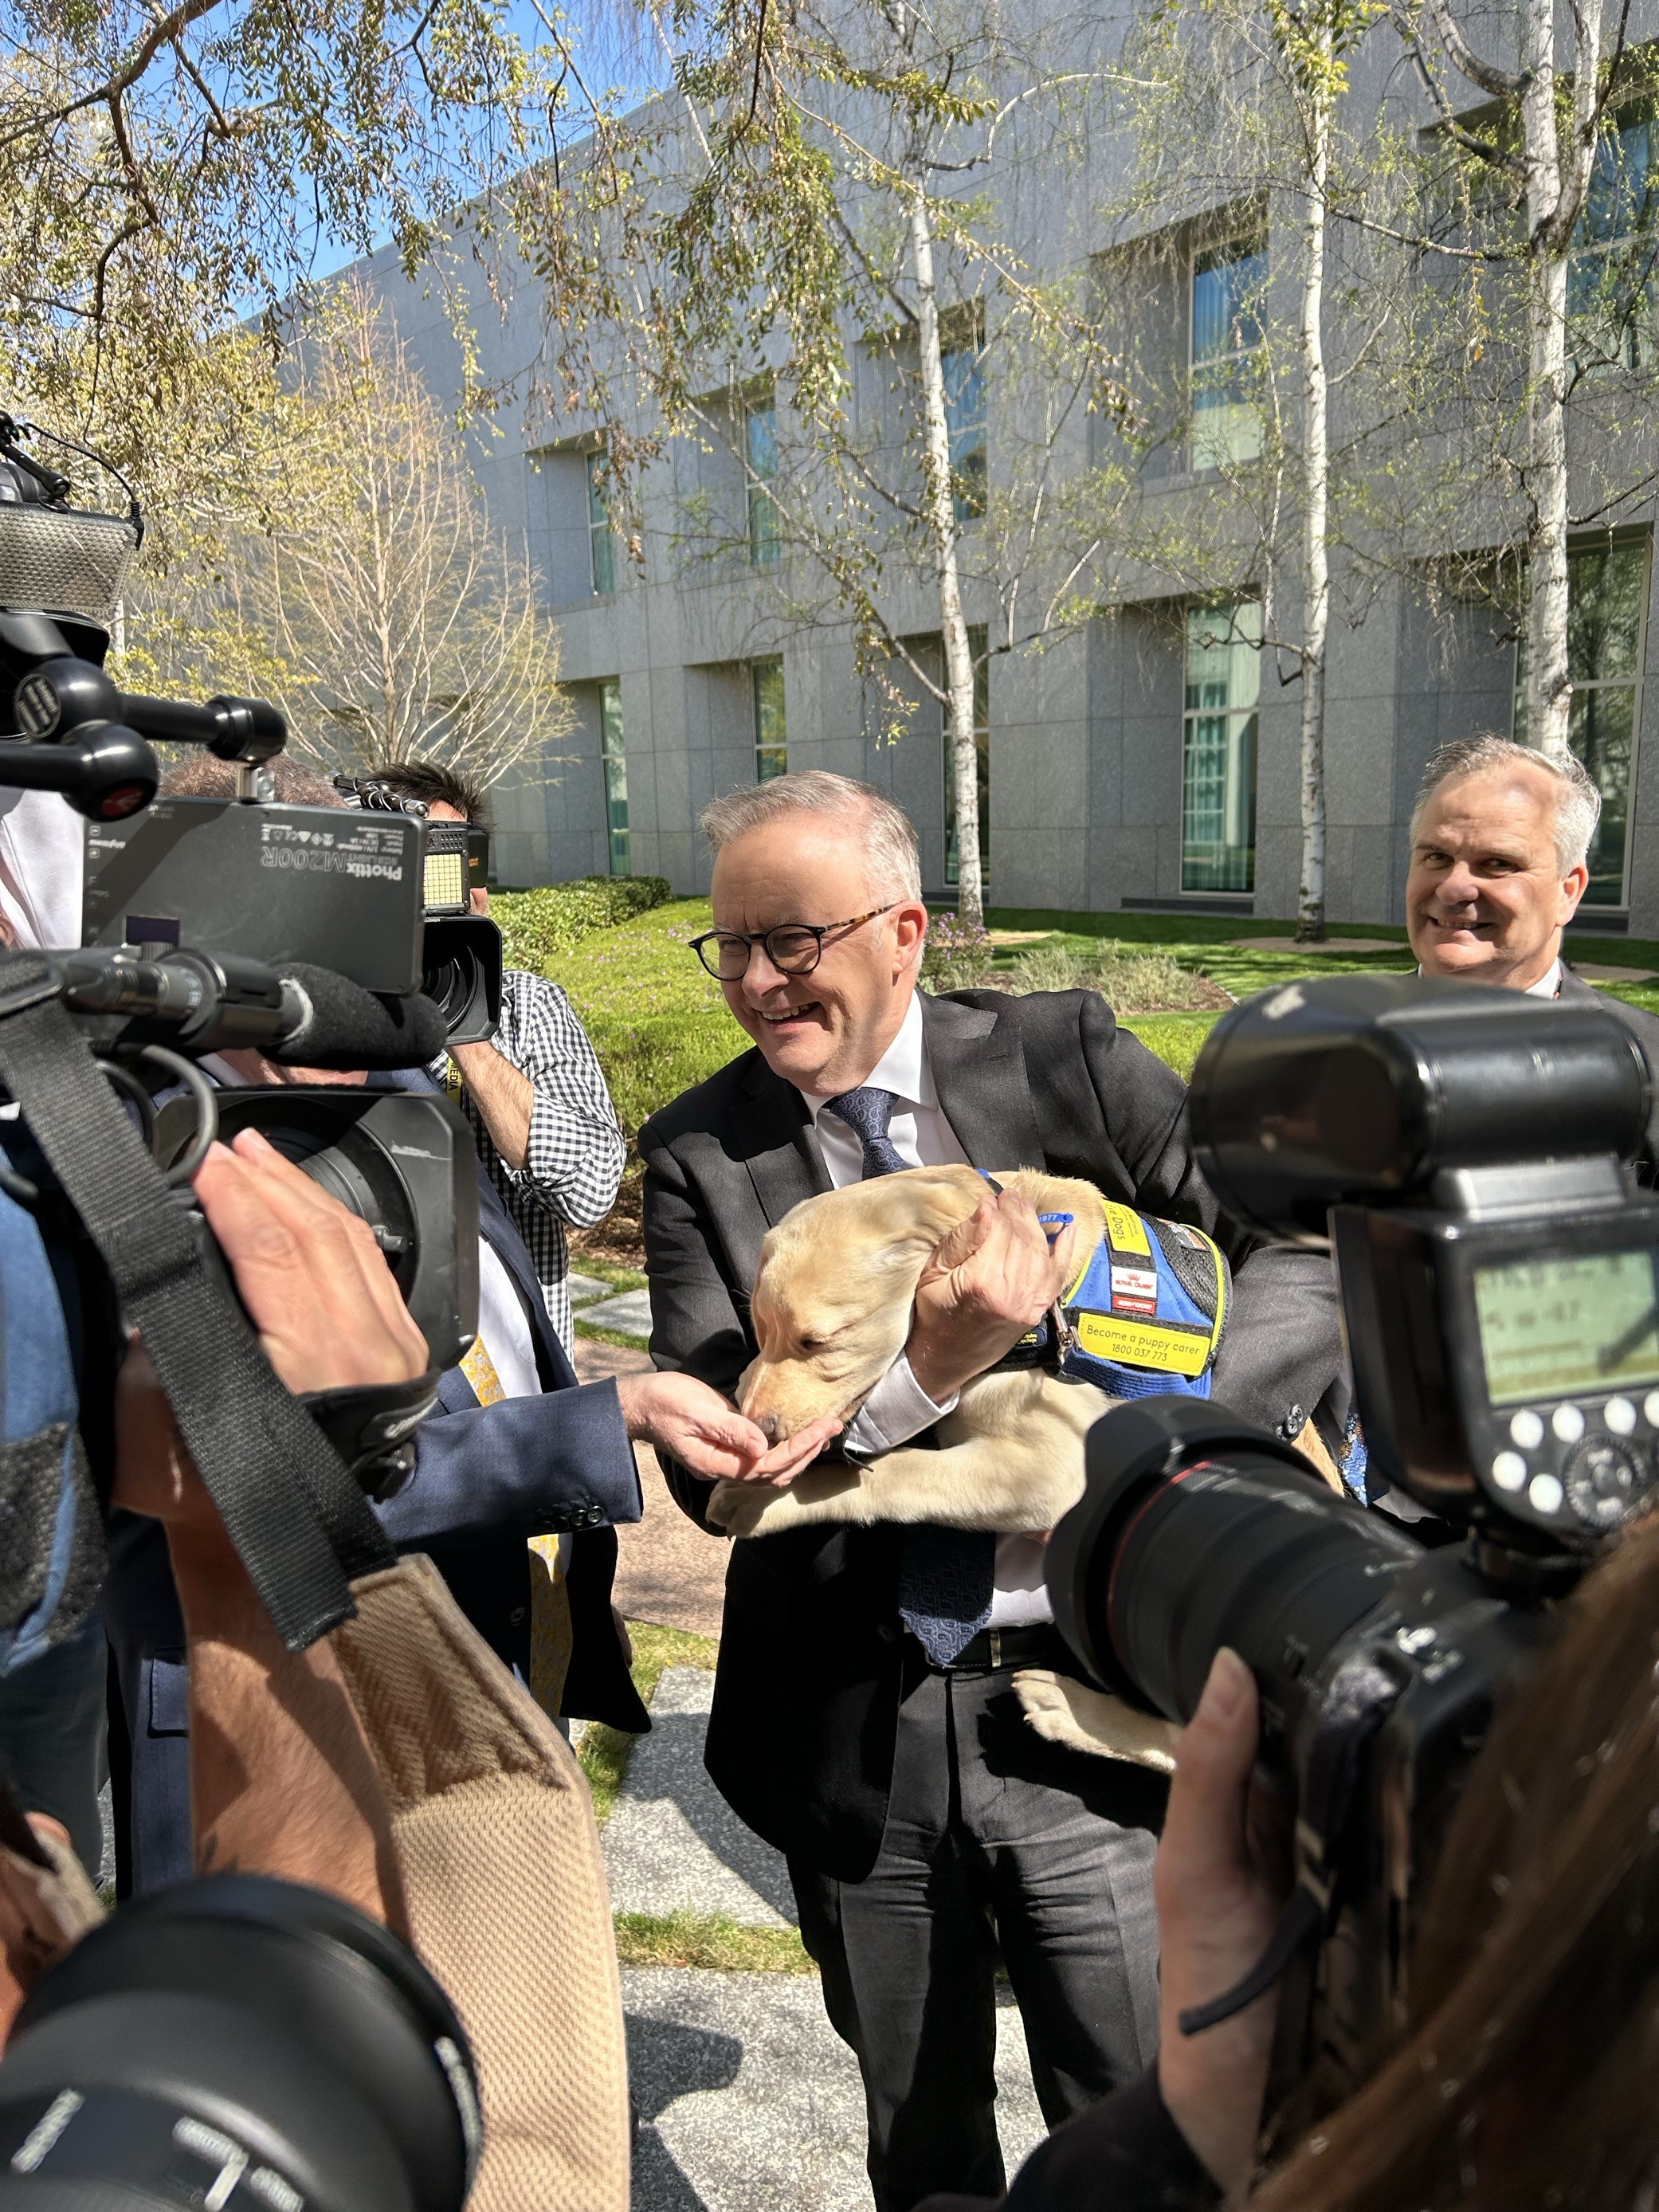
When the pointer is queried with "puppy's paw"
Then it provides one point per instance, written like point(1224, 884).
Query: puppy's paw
point(1066, 1712)
point(736, 1507)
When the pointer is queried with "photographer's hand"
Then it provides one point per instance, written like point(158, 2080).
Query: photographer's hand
point(1216, 1907)
point(281, 1779)
point(988, 1282)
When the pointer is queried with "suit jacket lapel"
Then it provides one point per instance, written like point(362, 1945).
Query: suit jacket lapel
point(776, 1141)
point(978, 1063)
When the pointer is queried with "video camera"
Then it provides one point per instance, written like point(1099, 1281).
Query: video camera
point(234, 2041)
point(1459, 1150)
point(337, 941)
point(213, 926)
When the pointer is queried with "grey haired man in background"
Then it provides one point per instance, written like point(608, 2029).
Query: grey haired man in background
point(1501, 841)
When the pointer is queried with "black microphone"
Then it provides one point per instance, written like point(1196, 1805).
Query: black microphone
point(300, 1015)
point(345, 1027)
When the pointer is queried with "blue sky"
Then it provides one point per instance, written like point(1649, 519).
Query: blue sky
point(614, 56)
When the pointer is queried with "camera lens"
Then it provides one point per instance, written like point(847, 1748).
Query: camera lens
point(1242, 1552)
point(1194, 1532)
point(238, 2040)
point(461, 974)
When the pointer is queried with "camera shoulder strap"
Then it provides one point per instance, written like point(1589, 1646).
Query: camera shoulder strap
point(300, 1524)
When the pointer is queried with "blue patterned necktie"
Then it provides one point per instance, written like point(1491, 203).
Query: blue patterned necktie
point(945, 1574)
point(867, 1114)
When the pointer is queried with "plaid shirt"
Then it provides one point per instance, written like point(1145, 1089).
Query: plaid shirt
point(573, 1161)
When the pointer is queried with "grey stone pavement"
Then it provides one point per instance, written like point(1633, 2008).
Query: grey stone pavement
point(747, 2100)
point(628, 1311)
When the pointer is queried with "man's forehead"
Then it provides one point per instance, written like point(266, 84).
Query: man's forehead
point(1512, 812)
point(790, 867)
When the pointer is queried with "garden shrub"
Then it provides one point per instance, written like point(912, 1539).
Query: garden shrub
point(1051, 968)
point(957, 954)
point(553, 918)
point(1131, 981)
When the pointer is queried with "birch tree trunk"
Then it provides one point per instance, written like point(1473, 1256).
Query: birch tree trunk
point(1556, 183)
point(1315, 497)
point(1548, 688)
point(939, 505)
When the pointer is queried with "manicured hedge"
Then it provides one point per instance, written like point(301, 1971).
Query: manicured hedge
point(537, 924)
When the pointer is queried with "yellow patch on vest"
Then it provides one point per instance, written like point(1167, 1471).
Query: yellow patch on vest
point(1143, 1344)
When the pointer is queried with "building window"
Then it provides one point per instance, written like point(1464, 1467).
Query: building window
point(976, 646)
point(601, 545)
point(760, 436)
point(771, 736)
point(1606, 606)
point(1612, 309)
point(1218, 751)
point(616, 776)
point(964, 422)
point(1228, 282)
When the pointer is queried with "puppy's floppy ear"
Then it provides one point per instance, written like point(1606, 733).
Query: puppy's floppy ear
point(936, 1200)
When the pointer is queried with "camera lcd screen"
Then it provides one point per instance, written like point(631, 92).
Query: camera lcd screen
point(1560, 1328)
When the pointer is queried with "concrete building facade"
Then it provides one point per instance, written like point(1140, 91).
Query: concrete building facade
point(1134, 763)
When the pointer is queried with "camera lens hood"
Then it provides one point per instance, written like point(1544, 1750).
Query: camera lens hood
point(244, 1964)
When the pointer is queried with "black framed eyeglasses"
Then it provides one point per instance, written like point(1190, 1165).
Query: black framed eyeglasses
point(794, 948)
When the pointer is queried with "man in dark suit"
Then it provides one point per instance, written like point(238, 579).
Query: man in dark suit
point(1501, 841)
point(864, 1720)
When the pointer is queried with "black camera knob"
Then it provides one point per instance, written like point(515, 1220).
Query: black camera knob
point(1603, 1479)
point(62, 696)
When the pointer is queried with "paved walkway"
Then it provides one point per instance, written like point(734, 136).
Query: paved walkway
point(749, 2103)
point(747, 2100)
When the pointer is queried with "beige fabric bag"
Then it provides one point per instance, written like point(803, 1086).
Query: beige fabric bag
point(507, 1903)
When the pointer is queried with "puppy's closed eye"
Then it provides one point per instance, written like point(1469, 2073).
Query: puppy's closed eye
point(812, 1344)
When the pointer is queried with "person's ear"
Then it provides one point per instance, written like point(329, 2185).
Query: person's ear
point(1574, 884)
point(909, 929)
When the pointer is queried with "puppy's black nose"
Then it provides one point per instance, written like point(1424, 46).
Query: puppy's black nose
point(768, 1425)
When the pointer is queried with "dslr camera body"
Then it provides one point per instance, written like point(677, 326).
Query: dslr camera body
point(1460, 1151)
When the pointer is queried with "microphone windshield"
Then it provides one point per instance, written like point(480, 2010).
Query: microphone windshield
point(344, 1027)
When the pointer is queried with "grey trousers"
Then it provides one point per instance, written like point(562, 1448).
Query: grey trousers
point(994, 1840)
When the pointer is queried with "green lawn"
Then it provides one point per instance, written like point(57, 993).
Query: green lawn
point(659, 1023)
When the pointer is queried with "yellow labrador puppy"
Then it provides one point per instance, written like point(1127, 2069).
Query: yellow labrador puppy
point(831, 1313)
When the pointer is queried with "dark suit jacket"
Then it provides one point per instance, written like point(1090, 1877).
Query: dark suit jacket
point(485, 1479)
point(1645, 1028)
point(800, 1740)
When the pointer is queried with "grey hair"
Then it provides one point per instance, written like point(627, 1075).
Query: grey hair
point(1577, 801)
point(887, 835)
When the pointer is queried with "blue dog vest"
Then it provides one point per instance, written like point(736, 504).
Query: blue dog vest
point(1144, 1316)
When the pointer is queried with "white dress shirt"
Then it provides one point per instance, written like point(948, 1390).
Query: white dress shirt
point(898, 1408)
point(42, 840)
point(503, 1327)
point(1548, 985)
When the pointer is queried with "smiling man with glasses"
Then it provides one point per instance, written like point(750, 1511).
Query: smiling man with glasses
point(864, 1721)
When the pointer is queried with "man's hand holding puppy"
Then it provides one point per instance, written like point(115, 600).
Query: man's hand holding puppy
point(989, 1281)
